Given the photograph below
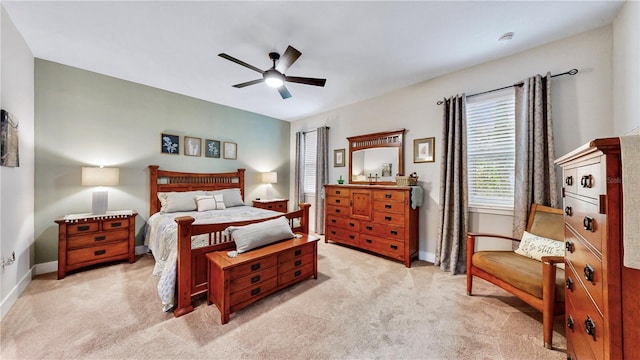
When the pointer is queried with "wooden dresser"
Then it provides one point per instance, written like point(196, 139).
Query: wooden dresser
point(375, 218)
point(602, 296)
point(237, 282)
point(93, 240)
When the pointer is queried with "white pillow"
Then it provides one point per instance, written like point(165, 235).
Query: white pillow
point(179, 201)
point(259, 234)
point(535, 247)
point(210, 202)
point(232, 197)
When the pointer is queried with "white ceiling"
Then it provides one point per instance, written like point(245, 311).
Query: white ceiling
point(362, 48)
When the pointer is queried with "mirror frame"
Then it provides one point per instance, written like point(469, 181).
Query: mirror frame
point(387, 139)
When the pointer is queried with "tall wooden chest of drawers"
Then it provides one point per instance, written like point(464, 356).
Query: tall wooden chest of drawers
point(375, 218)
point(602, 296)
point(95, 239)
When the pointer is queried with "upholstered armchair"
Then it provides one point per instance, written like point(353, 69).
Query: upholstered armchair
point(538, 282)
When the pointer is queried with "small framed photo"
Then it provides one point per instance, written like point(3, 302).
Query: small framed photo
point(170, 144)
point(192, 146)
point(230, 150)
point(212, 148)
point(338, 158)
point(424, 150)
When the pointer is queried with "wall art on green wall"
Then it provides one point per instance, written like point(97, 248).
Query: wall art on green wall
point(212, 148)
point(170, 144)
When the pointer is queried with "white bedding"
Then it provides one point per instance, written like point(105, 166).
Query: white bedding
point(161, 238)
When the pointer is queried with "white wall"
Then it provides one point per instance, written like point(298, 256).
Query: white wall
point(16, 184)
point(582, 110)
point(626, 69)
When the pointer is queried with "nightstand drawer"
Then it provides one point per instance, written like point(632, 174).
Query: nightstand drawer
point(97, 253)
point(80, 228)
point(115, 224)
point(95, 239)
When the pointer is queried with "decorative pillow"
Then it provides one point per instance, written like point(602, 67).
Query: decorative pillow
point(179, 201)
point(232, 197)
point(210, 202)
point(535, 247)
point(259, 234)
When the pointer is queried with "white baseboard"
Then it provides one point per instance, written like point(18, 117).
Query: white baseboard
point(427, 256)
point(141, 249)
point(13, 296)
point(51, 266)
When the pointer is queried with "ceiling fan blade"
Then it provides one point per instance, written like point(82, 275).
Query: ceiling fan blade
point(305, 80)
point(252, 82)
point(284, 92)
point(240, 62)
point(288, 58)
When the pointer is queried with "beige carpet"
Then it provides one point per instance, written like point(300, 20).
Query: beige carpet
point(360, 307)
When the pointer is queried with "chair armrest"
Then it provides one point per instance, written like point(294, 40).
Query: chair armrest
point(496, 236)
point(552, 259)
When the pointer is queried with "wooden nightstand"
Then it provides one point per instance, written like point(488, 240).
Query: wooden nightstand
point(86, 239)
point(273, 204)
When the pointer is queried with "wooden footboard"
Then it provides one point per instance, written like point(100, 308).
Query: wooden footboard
point(191, 277)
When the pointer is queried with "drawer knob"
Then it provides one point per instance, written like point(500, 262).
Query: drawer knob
point(116, 224)
point(352, 224)
point(369, 241)
point(255, 267)
point(352, 237)
point(569, 284)
point(337, 192)
point(587, 223)
point(255, 279)
point(394, 247)
point(568, 245)
point(568, 180)
point(255, 291)
point(388, 218)
point(297, 273)
point(394, 232)
point(99, 238)
point(586, 181)
point(567, 210)
point(338, 211)
point(337, 201)
point(83, 228)
point(297, 263)
point(570, 322)
point(333, 232)
point(387, 206)
point(333, 221)
point(297, 253)
point(388, 196)
point(590, 327)
point(99, 252)
point(369, 227)
point(589, 273)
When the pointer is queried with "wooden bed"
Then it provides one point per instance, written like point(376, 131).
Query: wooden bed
point(191, 276)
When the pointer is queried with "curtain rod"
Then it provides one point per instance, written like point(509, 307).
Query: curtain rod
point(570, 72)
point(313, 130)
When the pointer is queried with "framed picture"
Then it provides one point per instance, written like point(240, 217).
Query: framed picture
point(170, 144)
point(338, 158)
point(212, 148)
point(192, 146)
point(8, 140)
point(424, 150)
point(230, 150)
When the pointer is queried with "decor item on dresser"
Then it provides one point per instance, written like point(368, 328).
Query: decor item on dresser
point(179, 235)
point(376, 218)
point(272, 204)
point(528, 272)
point(603, 295)
point(88, 239)
point(170, 144)
point(192, 146)
point(376, 158)
point(100, 176)
point(338, 157)
point(230, 150)
point(212, 148)
point(424, 150)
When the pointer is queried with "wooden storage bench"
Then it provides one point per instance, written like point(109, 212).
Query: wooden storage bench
point(237, 282)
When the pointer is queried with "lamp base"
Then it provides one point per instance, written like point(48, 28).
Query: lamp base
point(99, 203)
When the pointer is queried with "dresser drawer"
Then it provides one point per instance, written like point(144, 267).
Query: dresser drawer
point(296, 274)
point(337, 210)
point(389, 195)
point(585, 219)
point(390, 248)
point(591, 180)
point(341, 192)
point(250, 294)
point(252, 280)
point(81, 228)
point(387, 231)
point(584, 262)
point(342, 235)
point(295, 263)
point(253, 267)
point(97, 253)
point(97, 238)
point(584, 324)
point(569, 180)
point(337, 201)
point(344, 223)
point(389, 206)
point(388, 218)
point(295, 253)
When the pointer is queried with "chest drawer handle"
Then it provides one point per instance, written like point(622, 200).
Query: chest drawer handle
point(337, 201)
point(255, 291)
point(297, 263)
point(568, 245)
point(297, 253)
point(369, 241)
point(99, 252)
point(352, 224)
point(83, 228)
point(255, 267)
point(333, 232)
point(570, 322)
point(369, 227)
point(337, 192)
point(587, 223)
point(388, 218)
point(116, 224)
point(388, 196)
point(333, 221)
point(338, 211)
point(387, 206)
point(394, 232)
point(568, 180)
point(569, 284)
point(255, 279)
point(352, 237)
point(590, 327)
point(394, 247)
point(100, 238)
point(588, 273)
point(585, 181)
point(567, 210)
point(297, 273)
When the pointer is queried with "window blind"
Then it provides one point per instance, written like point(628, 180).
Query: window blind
point(491, 149)
point(310, 146)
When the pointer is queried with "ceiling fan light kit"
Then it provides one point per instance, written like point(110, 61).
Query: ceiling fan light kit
point(275, 77)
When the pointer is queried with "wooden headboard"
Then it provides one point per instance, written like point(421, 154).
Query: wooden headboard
point(166, 181)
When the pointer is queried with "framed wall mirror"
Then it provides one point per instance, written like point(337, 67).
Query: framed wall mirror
point(376, 158)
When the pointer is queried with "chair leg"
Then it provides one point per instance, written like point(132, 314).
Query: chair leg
point(469, 283)
point(548, 302)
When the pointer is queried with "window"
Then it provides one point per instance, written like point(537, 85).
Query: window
point(491, 149)
point(310, 141)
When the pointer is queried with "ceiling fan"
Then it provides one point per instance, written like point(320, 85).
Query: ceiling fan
point(275, 77)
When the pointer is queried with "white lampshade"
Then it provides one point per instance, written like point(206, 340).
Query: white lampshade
point(270, 177)
point(100, 176)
